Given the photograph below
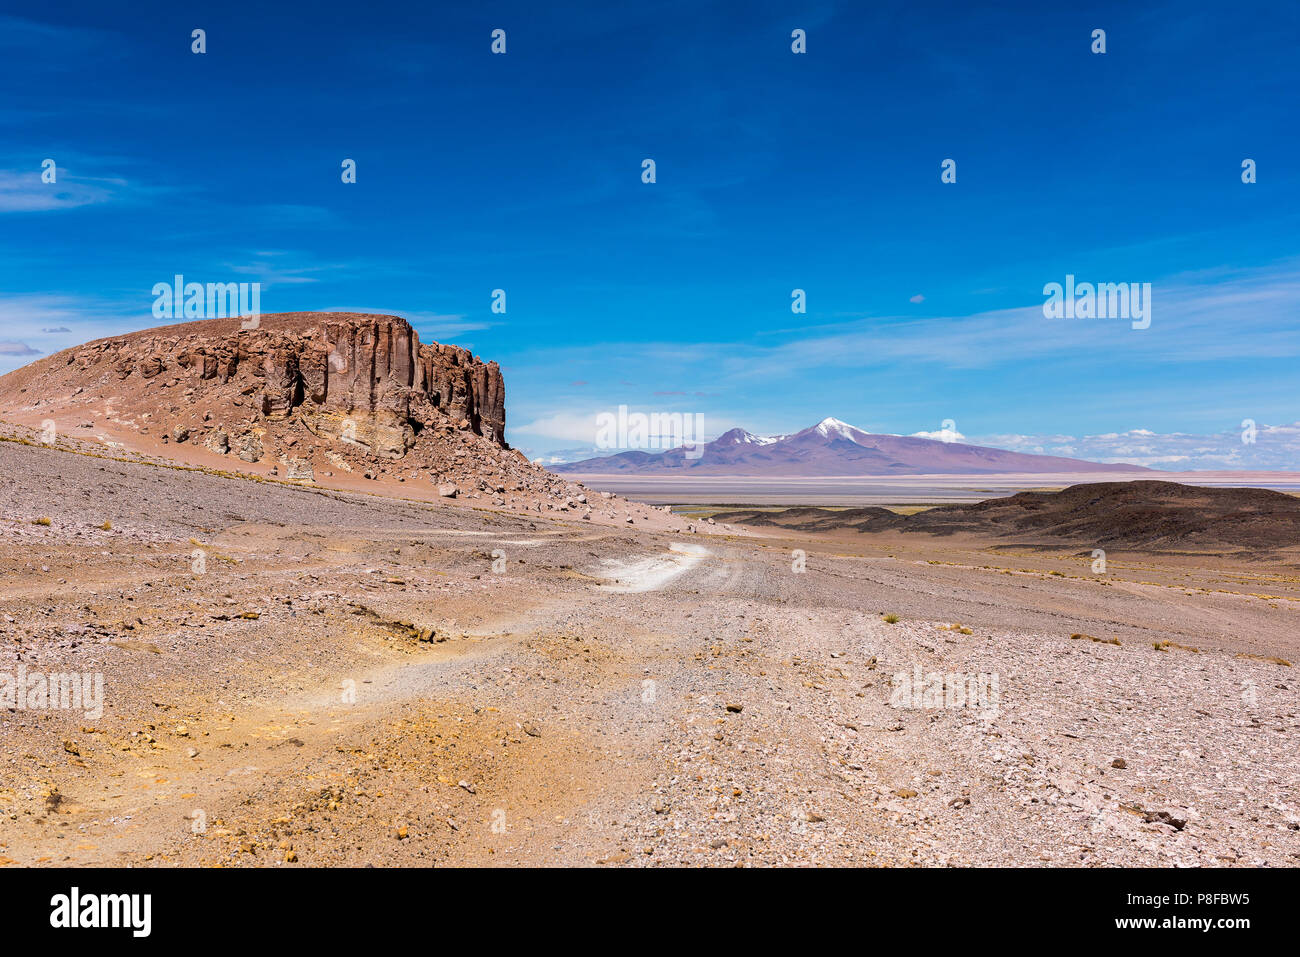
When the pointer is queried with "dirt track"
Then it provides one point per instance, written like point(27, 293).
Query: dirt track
point(732, 711)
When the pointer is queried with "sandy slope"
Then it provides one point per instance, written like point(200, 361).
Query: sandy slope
point(358, 684)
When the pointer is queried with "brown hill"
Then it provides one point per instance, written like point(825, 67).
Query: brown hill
point(1153, 515)
point(306, 391)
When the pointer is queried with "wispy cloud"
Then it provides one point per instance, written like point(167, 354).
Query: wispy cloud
point(1196, 317)
point(440, 327)
point(46, 324)
point(1269, 447)
point(567, 426)
point(1203, 317)
point(17, 349)
point(20, 36)
point(282, 267)
point(80, 179)
point(22, 191)
point(578, 424)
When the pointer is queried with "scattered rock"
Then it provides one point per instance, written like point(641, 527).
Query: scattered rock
point(298, 470)
point(1164, 817)
point(250, 447)
point(218, 442)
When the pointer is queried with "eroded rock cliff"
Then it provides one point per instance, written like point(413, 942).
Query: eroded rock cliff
point(329, 398)
point(366, 380)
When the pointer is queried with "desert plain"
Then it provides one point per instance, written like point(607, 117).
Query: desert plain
point(351, 672)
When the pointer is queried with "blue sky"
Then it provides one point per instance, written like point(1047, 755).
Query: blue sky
point(775, 171)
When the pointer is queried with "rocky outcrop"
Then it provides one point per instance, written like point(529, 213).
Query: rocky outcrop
point(311, 398)
point(363, 380)
point(462, 387)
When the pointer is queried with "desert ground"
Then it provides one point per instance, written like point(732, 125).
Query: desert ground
point(350, 678)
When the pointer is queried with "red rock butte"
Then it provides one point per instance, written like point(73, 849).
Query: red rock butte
point(363, 379)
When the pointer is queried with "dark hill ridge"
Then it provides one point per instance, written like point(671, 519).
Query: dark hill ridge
point(1160, 515)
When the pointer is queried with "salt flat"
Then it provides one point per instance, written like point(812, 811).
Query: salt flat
point(889, 489)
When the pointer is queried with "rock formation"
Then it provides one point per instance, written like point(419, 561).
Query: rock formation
point(305, 397)
point(365, 380)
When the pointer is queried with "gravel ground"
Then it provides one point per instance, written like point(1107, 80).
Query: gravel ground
point(348, 679)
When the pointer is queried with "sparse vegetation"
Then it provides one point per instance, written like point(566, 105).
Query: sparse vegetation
point(1272, 660)
point(891, 619)
point(106, 527)
point(1102, 641)
point(41, 521)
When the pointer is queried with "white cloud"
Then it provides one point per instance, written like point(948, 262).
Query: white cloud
point(569, 426)
point(943, 435)
point(1274, 447)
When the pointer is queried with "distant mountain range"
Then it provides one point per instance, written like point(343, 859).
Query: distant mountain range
point(832, 447)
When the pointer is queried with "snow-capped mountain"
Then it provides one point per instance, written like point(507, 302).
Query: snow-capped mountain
point(741, 437)
point(832, 447)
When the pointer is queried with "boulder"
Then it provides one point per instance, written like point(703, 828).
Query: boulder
point(250, 447)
